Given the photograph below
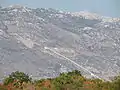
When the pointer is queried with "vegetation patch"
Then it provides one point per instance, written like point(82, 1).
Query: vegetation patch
point(66, 81)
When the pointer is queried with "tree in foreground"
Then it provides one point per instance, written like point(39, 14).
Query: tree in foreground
point(17, 79)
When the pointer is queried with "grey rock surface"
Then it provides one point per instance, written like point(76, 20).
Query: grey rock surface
point(45, 42)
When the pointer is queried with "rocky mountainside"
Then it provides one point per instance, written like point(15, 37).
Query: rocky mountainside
point(45, 42)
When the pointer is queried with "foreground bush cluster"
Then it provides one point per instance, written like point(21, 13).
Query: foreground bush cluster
point(66, 81)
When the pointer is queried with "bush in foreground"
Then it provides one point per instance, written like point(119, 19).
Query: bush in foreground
point(66, 81)
point(16, 79)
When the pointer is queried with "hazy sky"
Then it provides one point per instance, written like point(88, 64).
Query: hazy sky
point(103, 7)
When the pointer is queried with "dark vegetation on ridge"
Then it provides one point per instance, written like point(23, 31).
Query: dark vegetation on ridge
point(66, 81)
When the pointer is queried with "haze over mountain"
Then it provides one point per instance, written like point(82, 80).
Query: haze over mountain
point(45, 42)
point(102, 7)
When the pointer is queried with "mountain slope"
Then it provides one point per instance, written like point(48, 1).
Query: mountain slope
point(45, 42)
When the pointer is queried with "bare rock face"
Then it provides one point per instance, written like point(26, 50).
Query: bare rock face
point(45, 42)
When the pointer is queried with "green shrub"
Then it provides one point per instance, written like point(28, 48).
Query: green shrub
point(116, 83)
point(17, 77)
